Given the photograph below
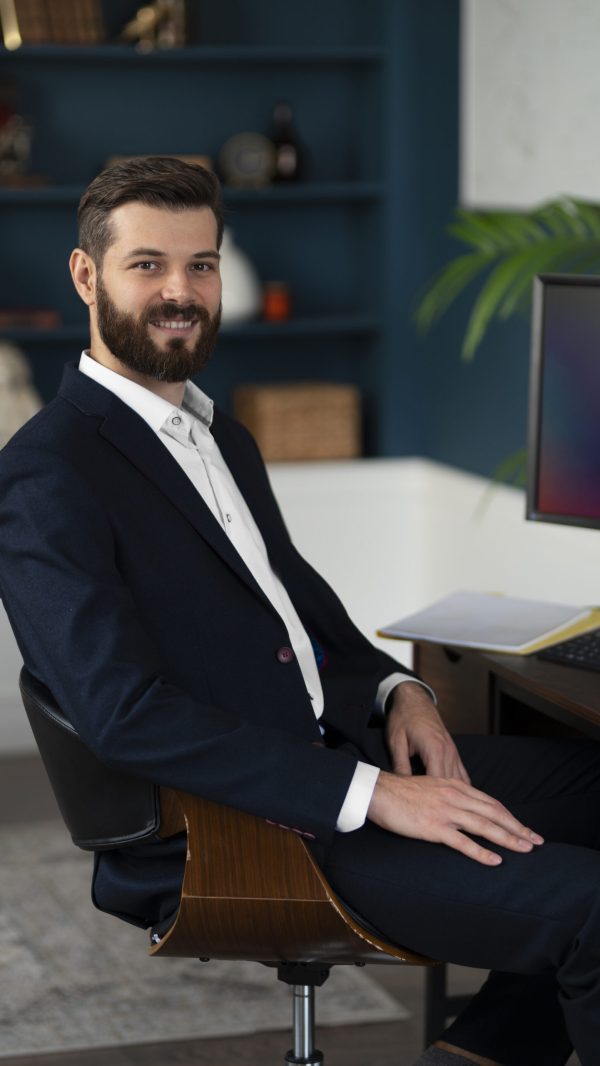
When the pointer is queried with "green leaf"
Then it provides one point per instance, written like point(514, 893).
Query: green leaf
point(447, 286)
point(565, 254)
point(492, 231)
point(563, 218)
point(487, 304)
point(478, 231)
point(520, 229)
point(513, 469)
point(590, 213)
point(587, 260)
point(511, 248)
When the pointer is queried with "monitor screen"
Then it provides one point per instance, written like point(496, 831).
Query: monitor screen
point(563, 483)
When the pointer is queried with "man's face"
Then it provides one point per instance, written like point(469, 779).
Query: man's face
point(158, 292)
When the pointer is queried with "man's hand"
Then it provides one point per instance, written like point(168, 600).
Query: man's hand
point(441, 806)
point(414, 727)
point(443, 811)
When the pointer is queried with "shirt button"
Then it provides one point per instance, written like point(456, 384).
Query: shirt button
point(176, 421)
point(285, 655)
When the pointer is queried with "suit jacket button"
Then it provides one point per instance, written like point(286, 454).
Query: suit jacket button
point(285, 655)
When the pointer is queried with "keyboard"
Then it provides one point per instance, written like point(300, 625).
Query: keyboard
point(582, 651)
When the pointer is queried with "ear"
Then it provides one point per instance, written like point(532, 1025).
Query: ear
point(83, 272)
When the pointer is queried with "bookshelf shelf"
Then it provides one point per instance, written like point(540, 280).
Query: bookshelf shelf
point(39, 195)
point(309, 326)
point(317, 326)
point(270, 195)
point(192, 54)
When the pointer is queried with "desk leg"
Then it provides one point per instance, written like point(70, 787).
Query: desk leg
point(462, 684)
point(439, 1006)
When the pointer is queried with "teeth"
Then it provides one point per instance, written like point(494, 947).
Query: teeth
point(175, 324)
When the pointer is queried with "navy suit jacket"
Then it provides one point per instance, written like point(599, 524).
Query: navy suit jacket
point(129, 602)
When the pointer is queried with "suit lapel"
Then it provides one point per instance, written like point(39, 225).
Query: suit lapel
point(127, 431)
point(243, 473)
point(253, 482)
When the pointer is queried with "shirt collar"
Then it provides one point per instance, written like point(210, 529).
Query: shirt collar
point(155, 410)
point(198, 404)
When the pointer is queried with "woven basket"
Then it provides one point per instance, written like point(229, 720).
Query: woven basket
point(304, 420)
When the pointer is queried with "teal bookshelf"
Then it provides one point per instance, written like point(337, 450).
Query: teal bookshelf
point(375, 110)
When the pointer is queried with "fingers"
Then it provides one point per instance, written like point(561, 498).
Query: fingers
point(450, 812)
point(479, 804)
point(434, 761)
point(482, 826)
point(401, 756)
point(414, 727)
point(443, 760)
point(485, 817)
point(454, 768)
point(462, 772)
point(472, 850)
point(495, 812)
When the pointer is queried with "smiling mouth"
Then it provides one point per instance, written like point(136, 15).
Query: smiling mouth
point(175, 324)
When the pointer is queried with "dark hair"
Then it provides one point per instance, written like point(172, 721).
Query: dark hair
point(158, 181)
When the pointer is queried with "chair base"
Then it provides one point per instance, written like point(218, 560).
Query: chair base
point(304, 1052)
point(305, 977)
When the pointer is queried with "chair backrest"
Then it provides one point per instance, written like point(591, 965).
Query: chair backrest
point(102, 808)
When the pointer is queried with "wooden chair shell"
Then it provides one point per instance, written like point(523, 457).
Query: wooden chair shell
point(252, 890)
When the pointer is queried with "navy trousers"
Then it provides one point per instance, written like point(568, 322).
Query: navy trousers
point(534, 921)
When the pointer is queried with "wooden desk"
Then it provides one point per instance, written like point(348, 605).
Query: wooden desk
point(483, 693)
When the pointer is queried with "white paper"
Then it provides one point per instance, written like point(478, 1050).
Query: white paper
point(486, 621)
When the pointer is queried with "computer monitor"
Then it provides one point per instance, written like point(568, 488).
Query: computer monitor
point(563, 483)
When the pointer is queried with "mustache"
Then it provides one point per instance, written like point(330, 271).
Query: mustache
point(172, 310)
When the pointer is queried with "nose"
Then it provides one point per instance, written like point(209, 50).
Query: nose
point(177, 287)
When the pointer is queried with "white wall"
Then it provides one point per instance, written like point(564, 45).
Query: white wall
point(530, 101)
point(391, 535)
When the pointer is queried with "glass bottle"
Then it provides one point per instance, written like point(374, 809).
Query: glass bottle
point(289, 152)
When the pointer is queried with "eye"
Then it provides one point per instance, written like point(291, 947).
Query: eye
point(202, 268)
point(146, 265)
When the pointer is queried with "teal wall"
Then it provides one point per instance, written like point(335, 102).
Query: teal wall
point(386, 124)
point(478, 409)
point(470, 415)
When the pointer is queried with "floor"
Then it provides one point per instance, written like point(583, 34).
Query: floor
point(384, 1044)
point(25, 796)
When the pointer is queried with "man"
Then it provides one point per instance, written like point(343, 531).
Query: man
point(153, 587)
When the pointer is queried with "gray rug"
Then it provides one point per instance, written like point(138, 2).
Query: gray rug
point(72, 977)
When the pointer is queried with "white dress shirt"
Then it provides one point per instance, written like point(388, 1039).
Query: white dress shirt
point(185, 433)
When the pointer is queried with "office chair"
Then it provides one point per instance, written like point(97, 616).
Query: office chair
point(251, 889)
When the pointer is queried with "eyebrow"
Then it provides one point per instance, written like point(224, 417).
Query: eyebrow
point(155, 253)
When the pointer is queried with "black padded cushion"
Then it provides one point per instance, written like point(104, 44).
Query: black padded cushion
point(102, 808)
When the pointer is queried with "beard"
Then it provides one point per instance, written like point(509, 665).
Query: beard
point(128, 339)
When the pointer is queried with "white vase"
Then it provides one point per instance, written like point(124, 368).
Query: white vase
point(242, 291)
point(19, 400)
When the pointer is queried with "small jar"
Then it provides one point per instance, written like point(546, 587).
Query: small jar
point(277, 301)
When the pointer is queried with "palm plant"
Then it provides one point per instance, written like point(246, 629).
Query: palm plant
point(508, 248)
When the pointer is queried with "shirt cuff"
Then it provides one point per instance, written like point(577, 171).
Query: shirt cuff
point(387, 686)
point(358, 797)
